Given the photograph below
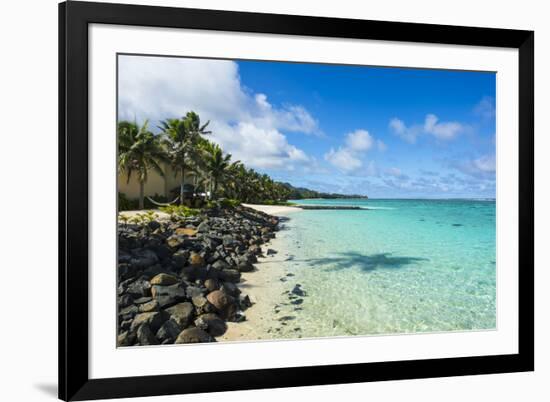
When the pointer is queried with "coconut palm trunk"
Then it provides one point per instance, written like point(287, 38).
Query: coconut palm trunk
point(182, 184)
point(214, 188)
point(180, 137)
point(141, 194)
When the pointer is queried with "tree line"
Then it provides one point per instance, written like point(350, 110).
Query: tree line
point(183, 144)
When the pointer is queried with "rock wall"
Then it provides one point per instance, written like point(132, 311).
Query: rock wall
point(177, 279)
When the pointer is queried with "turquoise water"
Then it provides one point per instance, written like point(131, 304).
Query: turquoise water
point(401, 266)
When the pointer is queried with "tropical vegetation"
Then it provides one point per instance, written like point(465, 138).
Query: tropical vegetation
point(180, 139)
point(139, 151)
point(300, 193)
point(182, 143)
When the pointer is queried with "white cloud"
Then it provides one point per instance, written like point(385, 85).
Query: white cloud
point(261, 100)
point(244, 123)
point(297, 118)
point(402, 131)
point(259, 147)
point(397, 173)
point(485, 108)
point(372, 169)
point(158, 87)
point(359, 140)
point(348, 157)
point(398, 126)
point(486, 163)
point(394, 172)
point(344, 159)
point(483, 167)
point(441, 130)
point(288, 117)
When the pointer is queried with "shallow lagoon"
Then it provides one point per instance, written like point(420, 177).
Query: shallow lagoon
point(400, 266)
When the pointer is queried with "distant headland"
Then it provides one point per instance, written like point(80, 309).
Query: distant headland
point(300, 193)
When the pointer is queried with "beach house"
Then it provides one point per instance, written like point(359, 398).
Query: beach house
point(166, 186)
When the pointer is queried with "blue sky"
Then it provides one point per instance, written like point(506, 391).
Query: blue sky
point(383, 132)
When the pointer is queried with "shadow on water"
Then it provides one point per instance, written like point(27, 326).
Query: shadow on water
point(282, 226)
point(364, 262)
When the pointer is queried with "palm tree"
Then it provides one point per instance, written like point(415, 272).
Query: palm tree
point(216, 166)
point(180, 137)
point(254, 190)
point(193, 124)
point(139, 151)
point(237, 181)
point(198, 156)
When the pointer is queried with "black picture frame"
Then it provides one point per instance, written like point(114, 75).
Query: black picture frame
point(74, 18)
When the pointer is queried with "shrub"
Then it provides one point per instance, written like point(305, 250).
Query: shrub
point(125, 204)
point(142, 218)
point(229, 203)
point(209, 204)
point(179, 211)
point(276, 202)
point(123, 218)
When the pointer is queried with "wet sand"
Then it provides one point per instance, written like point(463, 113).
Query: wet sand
point(264, 287)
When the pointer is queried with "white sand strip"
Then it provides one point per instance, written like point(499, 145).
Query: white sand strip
point(273, 209)
point(264, 288)
point(130, 214)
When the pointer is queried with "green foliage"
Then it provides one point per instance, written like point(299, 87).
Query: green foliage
point(299, 193)
point(123, 218)
point(216, 166)
point(226, 203)
point(149, 216)
point(211, 204)
point(142, 218)
point(181, 139)
point(229, 203)
point(139, 151)
point(247, 185)
point(275, 202)
point(125, 204)
point(182, 144)
point(179, 211)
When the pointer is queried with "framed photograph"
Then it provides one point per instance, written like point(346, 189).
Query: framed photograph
point(256, 200)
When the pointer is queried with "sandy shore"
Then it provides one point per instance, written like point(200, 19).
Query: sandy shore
point(130, 214)
point(268, 209)
point(273, 209)
point(263, 286)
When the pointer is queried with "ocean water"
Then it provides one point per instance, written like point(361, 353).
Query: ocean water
point(400, 266)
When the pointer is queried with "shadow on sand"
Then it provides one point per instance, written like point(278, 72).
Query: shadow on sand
point(366, 263)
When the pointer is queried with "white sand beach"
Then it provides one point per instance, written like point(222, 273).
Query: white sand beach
point(263, 286)
point(268, 209)
point(158, 213)
point(273, 209)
